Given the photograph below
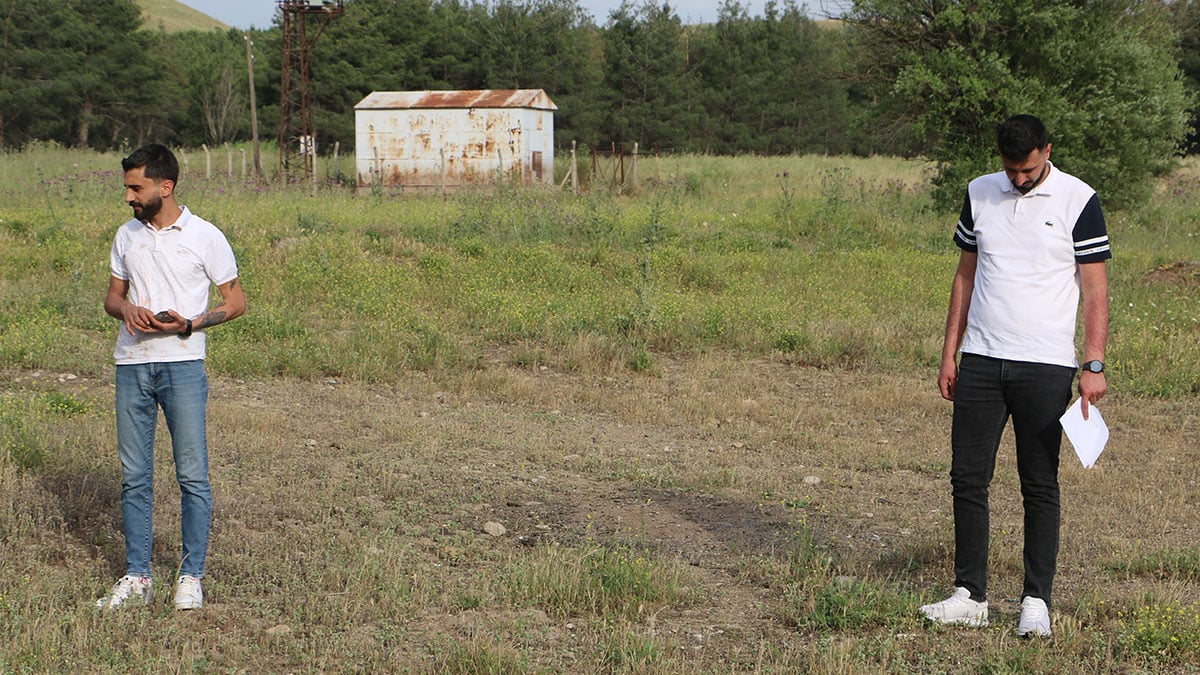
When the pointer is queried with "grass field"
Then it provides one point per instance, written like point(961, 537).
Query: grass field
point(703, 415)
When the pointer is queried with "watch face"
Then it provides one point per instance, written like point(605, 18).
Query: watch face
point(1094, 366)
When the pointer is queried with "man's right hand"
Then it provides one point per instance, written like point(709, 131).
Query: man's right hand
point(137, 318)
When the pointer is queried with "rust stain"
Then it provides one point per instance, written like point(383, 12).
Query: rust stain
point(470, 98)
point(427, 148)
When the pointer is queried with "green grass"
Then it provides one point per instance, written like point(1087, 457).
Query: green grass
point(854, 275)
point(411, 366)
point(613, 583)
point(27, 421)
point(1170, 563)
point(477, 655)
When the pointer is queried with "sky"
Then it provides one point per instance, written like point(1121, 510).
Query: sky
point(245, 14)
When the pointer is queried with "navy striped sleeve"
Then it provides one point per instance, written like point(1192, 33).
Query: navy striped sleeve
point(1091, 234)
point(964, 234)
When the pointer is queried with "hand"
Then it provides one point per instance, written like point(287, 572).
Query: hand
point(1092, 387)
point(948, 378)
point(137, 319)
point(168, 321)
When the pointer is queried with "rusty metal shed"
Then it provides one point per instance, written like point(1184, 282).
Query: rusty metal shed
point(449, 139)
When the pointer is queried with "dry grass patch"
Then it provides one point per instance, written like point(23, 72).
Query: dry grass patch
point(724, 515)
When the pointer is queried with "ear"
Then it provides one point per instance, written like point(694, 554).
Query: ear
point(166, 187)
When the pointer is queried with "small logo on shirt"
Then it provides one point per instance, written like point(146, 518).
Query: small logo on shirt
point(1049, 224)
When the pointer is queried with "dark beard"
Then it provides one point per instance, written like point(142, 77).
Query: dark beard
point(1033, 183)
point(145, 212)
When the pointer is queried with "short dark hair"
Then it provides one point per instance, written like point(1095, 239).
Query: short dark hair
point(156, 161)
point(1020, 135)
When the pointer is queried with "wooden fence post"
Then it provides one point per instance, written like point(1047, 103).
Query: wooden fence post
point(313, 162)
point(377, 179)
point(574, 171)
point(633, 174)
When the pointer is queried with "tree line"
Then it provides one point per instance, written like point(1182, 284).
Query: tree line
point(1115, 79)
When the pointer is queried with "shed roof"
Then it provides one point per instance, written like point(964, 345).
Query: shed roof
point(476, 98)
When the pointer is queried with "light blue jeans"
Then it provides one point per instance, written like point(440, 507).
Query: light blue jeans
point(181, 390)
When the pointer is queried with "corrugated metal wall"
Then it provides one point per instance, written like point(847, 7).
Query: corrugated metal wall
point(448, 140)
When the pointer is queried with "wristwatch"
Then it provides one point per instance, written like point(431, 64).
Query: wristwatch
point(187, 333)
point(1093, 366)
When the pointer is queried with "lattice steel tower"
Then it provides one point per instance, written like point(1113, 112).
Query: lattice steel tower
point(303, 21)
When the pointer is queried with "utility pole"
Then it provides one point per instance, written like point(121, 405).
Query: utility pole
point(258, 171)
point(296, 133)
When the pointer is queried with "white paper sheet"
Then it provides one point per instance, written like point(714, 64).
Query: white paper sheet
point(1087, 436)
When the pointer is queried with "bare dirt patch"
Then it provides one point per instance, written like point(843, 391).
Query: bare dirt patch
point(1176, 273)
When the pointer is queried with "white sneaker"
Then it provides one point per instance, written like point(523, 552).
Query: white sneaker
point(1035, 618)
point(958, 609)
point(127, 588)
point(188, 593)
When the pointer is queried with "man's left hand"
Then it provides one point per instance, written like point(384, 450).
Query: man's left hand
point(1092, 388)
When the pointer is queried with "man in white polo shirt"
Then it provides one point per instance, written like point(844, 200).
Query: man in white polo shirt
point(163, 263)
point(1032, 240)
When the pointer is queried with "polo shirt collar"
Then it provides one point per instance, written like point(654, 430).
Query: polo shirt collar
point(184, 216)
point(1043, 188)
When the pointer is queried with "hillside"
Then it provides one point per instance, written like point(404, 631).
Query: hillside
point(174, 17)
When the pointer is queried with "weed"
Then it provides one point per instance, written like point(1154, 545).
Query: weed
point(26, 424)
point(23, 449)
point(609, 582)
point(308, 224)
point(477, 655)
point(629, 651)
point(786, 208)
point(1162, 633)
point(790, 341)
point(64, 404)
point(845, 603)
point(641, 361)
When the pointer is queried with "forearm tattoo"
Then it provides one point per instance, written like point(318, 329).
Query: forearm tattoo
point(216, 315)
point(213, 316)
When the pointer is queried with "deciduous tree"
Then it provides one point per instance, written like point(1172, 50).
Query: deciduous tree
point(1103, 74)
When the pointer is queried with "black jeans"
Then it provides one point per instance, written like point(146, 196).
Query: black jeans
point(988, 393)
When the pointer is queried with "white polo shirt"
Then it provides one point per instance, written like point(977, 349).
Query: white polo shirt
point(1026, 292)
point(172, 268)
